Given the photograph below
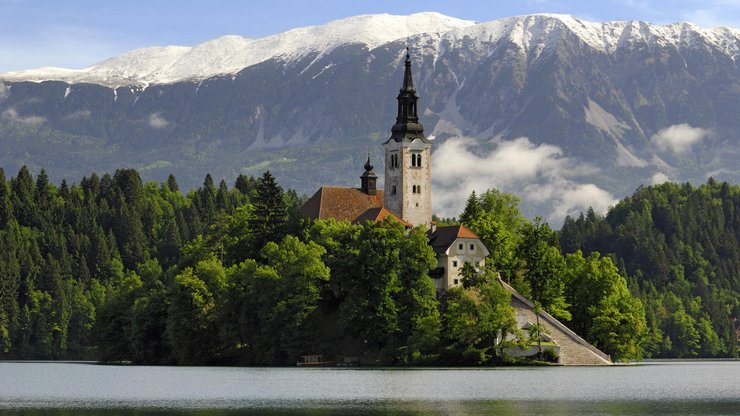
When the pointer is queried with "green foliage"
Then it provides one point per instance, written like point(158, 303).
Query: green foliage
point(476, 320)
point(544, 268)
point(120, 270)
point(270, 212)
point(678, 245)
point(495, 217)
point(603, 308)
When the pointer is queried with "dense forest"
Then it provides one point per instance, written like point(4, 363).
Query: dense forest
point(679, 246)
point(120, 270)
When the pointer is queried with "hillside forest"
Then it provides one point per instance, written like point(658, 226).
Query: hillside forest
point(115, 269)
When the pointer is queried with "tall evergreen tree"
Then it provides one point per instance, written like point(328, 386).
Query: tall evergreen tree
point(270, 212)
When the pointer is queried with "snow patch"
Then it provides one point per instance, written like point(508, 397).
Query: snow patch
point(4, 91)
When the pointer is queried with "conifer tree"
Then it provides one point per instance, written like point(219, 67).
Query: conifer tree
point(270, 212)
point(172, 184)
point(22, 197)
point(6, 209)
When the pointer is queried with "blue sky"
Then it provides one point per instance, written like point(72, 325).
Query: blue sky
point(78, 33)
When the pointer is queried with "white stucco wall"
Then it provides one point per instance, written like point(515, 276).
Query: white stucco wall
point(456, 257)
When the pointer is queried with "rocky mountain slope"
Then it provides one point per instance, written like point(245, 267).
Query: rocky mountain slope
point(565, 113)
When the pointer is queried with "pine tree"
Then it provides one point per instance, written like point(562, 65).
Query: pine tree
point(6, 209)
point(207, 200)
point(270, 212)
point(22, 197)
point(223, 203)
point(472, 209)
point(172, 184)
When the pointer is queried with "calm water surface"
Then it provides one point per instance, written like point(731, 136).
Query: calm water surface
point(676, 388)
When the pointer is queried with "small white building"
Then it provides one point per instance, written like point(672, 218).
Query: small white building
point(455, 245)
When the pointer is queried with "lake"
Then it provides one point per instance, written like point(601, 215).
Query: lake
point(656, 388)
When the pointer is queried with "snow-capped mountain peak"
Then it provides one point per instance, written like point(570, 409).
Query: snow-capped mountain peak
point(230, 54)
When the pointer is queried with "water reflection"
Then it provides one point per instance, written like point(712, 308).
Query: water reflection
point(498, 408)
point(687, 388)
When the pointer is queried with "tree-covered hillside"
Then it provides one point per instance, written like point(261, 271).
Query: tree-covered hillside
point(679, 246)
point(116, 269)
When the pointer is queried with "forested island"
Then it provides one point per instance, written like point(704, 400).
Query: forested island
point(115, 269)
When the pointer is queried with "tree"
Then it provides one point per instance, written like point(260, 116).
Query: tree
point(477, 321)
point(22, 198)
point(472, 277)
point(369, 309)
point(300, 270)
point(270, 212)
point(192, 316)
point(495, 217)
point(461, 330)
point(172, 184)
point(418, 308)
point(603, 308)
point(6, 209)
point(543, 266)
point(148, 315)
point(113, 323)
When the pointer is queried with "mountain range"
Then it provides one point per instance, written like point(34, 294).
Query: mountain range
point(563, 112)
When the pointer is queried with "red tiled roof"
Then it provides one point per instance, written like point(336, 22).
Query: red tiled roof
point(443, 237)
point(379, 214)
point(341, 203)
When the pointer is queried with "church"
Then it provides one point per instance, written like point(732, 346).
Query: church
point(407, 197)
point(406, 194)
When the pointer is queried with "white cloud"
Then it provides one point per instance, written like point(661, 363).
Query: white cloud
point(156, 121)
point(12, 116)
point(574, 198)
point(539, 174)
point(78, 115)
point(679, 138)
point(659, 178)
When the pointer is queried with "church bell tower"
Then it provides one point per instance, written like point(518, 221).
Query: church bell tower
point(408, 181)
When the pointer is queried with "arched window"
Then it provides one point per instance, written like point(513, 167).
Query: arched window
point(393, 190)
point(415, 160)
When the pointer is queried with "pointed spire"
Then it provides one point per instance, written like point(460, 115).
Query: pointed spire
point(368, 165)
point(407, 125)
point(408, 81)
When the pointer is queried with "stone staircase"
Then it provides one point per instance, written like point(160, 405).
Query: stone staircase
point(574, 350)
